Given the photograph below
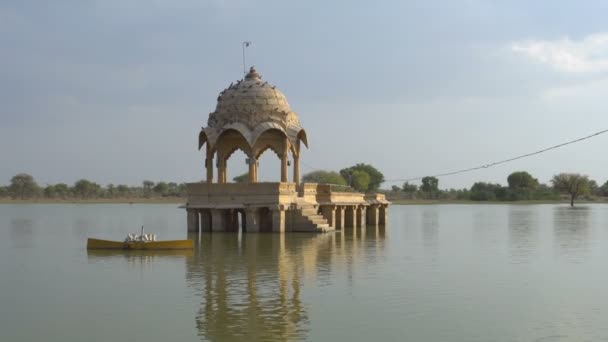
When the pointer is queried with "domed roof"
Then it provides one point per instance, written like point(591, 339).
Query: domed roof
point(251, 95)
point(252, 106)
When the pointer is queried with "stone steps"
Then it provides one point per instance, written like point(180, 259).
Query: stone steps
point(309, 214)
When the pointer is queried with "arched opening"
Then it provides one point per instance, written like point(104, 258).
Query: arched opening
point(227, 144)
point(275, 140)
point(269, 166)
point(236, 167)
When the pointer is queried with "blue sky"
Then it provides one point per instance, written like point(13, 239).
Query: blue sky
point(116, 91)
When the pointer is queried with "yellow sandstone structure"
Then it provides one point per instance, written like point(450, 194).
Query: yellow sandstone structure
point(254, 116)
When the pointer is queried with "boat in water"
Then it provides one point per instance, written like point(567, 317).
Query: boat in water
point(140, 242)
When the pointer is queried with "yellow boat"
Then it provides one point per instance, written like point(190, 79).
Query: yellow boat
point(140, 245)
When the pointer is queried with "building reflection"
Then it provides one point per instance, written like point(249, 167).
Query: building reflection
point(251, 285)
point(571, 231)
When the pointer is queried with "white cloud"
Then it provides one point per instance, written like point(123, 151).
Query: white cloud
point(578, 56)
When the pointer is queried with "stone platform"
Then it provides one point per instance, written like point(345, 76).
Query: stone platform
point(280, 207)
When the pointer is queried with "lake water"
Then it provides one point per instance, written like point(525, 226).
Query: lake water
point(436, 273)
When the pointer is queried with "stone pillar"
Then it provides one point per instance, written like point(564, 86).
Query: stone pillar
point(278, 219)
point(340, 218)
point(221, 169)
point(253, 178)
point(329, 213)
point(205, 217)
point(361, 216)
point(209, 165)
point(284, 160)
point(217, 220)
point(383, 215)
point(373, 215)
point(252, 219)
point(350, 219)
point(296, 170)
point(192, 218)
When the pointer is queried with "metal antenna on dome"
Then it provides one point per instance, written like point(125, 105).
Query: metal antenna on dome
point(245, 44)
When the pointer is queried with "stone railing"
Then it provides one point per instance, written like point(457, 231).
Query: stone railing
point(240, 193)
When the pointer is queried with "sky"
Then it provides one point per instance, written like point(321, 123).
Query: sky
point(116, 91)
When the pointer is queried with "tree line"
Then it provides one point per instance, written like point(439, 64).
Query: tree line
point(360, 177)
point(23, 186)
point(521, 186)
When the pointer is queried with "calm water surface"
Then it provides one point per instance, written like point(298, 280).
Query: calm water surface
point(436, 273)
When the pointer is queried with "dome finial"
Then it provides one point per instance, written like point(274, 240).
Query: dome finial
point(253, 74)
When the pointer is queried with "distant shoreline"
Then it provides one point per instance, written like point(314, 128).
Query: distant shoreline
point(431, 202)
point(181, 200)
point(159, 200)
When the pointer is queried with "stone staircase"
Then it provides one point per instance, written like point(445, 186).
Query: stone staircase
point(307, 219)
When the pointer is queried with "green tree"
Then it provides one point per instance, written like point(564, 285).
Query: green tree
point(86, 189)
point(161, 189)
point(572, 184)
point(3, 191)
point(481, 191)
point(123, 190)
point(604, 189)
point(49, 191)
point(244, 178)
point(430, 186)
point(594, 189)
point(23, 186)
point(360, 180)
point(324, 177)
point(148, 185)
point(409, 188)
point(62, 190)
point(375, 177)
point(522, 180)
point(173, 189)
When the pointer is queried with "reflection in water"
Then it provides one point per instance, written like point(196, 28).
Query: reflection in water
point(523, 232)
point(571, 231)
point(251, 290)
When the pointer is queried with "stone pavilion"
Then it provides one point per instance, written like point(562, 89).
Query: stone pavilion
point(254, 116)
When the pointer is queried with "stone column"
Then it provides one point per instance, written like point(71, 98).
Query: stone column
point(192, 218)
point(340, 218)
point(205, 217)
point(284, 176)
point(350, 219)
point(284, 160)
point(278, 219)
point(209, 166)
point(383, 214)
point(296, 170)
point(217, 220)
point(361, 219)
point(373, 215)
point(252, 170)
point(221, 169)
point(329, 213)
point(252, 219)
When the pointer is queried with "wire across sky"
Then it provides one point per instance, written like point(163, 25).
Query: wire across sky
point(485, 166)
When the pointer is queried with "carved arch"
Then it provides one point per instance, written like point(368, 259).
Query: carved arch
point(202, 139)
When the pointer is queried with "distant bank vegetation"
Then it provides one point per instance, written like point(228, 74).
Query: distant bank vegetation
point(521, 186)
point(24, 187)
